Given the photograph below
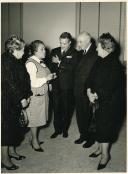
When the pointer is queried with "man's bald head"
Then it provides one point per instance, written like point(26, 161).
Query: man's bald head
point(83, 40)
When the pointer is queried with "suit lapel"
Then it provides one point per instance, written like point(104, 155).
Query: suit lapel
point(67, 53)
point(85, 57)
point(59, 53)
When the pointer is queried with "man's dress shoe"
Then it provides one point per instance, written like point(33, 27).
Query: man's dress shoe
point(55, 134)
point(79, 141)
point(88, 144)
point(65, 134)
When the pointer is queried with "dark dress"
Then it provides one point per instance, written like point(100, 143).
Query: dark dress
point(15, 86)
point(106, 79)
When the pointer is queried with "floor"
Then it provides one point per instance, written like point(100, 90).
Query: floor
point(63, 156)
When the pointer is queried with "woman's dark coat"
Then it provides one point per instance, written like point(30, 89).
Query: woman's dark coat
point(15, 86)
point(106, 79)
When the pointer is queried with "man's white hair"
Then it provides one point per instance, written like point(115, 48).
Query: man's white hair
point(85, 34)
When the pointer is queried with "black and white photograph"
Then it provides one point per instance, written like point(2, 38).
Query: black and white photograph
point(63, 87)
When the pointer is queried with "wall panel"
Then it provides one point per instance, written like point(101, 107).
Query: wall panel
point(123, 31)
point(46, 21)
point(89, 18)
point(110, 18)
point(11, 21)
point(4, 24)
point(14, 18)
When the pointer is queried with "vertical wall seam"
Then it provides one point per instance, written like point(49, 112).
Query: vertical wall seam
point(124, 35)
point(8, 19)
point(120, 21)
point(99, 19)
point(76, 26)
point(80, 17)
point(21, 20)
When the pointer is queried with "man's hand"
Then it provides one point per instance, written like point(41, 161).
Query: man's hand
point(55, 59)
point(95, 95)
point(24, 103)
point(92, 96)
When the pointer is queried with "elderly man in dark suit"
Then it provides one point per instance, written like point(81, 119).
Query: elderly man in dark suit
point(64, 59)
point(87, 56)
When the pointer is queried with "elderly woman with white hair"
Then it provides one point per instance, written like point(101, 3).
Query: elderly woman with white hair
point(15, 87)
point(105, 86)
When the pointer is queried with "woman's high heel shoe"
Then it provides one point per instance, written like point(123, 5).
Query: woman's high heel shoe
point(94, 155)
point(20, 157)
point(38, 150)
point(102, 166)
point(13, 167)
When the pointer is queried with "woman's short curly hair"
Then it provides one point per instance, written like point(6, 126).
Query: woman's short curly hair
point(14, 43)
point(34, 46)
point(107, 42)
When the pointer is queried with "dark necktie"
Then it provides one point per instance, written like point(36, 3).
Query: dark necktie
point(62, 54)
point(84, 52)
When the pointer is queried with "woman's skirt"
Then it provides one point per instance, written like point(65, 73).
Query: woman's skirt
point(37, 110)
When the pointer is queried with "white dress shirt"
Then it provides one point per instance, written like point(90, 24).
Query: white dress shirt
point(32, 70)
point(88, 47)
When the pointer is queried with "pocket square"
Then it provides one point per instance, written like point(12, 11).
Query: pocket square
point(68, 57)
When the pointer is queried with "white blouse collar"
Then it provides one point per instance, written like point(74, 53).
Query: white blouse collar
point(35, 58)
point(88, 47)
point(38, 60)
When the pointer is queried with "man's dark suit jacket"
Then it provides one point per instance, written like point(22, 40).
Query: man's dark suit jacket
point(83, 70)
point(66, 70)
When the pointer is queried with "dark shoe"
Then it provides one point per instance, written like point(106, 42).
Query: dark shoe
point(65, 134)
point(41, 142)
point(37, 150)
point(55, 134)
point(88, 144)
point(13, 167)
point(79, 141)
point(102, 166)
point(20, 157)
point(94, 155)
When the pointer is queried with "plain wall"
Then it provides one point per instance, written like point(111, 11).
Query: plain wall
point(89, 17)
point(98, 18)
point(11, 21)
point(46, 21)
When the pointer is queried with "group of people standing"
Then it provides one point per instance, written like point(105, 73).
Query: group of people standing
point(77, 79)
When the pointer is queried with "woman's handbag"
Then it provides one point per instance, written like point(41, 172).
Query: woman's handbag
point(23, 119)
point(93, 107)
